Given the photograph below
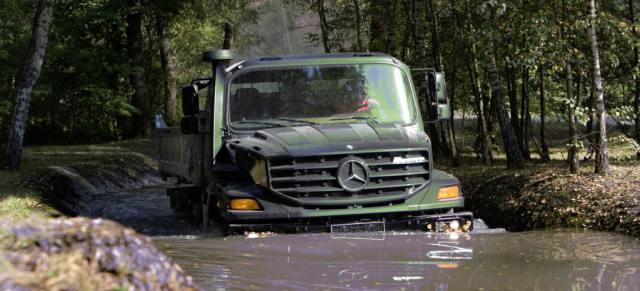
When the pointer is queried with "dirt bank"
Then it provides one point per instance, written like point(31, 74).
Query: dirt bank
point(531, 199)
point(83, 254)
point(70, 188)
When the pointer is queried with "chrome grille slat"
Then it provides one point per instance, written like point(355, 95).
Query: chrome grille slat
point(312, 180)
point(398, 173)
point(350, 200)
point(318, 166)
point(306, 178)
point(310, 189)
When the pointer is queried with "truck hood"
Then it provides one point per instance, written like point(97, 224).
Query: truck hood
point(331, 138)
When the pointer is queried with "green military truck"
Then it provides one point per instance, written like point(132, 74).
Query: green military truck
point(309, 143)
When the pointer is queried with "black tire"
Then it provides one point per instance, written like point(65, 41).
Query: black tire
point(213, 220)
point(197, 213)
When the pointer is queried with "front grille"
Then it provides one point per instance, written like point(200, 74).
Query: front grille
point(312, 180)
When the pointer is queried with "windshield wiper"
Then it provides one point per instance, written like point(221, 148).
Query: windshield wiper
point(272, 124)
point(298, 120)
point(357, 118)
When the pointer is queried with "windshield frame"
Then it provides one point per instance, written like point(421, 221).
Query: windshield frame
point(238, 69)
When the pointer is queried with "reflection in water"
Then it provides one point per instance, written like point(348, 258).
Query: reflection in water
point(541, 260)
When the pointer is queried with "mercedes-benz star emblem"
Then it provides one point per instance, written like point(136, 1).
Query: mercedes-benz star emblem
point(353, 174)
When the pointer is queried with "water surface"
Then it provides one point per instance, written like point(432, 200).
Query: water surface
point(485, 260)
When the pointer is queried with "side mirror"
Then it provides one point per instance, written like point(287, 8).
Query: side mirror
point(441, 112)
point(190, 100)
point(436, 87)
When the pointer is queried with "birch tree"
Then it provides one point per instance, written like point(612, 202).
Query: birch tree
point(601, 155)
point(24, 85)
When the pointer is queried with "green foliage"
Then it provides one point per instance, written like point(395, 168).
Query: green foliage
point(15, 28)
point(84, 93)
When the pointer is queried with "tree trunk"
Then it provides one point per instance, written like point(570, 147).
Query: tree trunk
point(483, 133)
point(574, 166)
point(323, 26)
point(525, 119)
point(227, 44)
point(444, 127)
point(602, 158)
point(455, 156)
point(543, 140)
point(636, 63)
point(141, 121)
point(636, 103)
point(592, 116)
point(513, 101)
point(391, 46)
point(420, 52)
point(169, 71)
point(25, 83)
point(514, 156)
point(572, 157)
point(358, 28)
point(421, 60)
point(580, 87)
point(407, 32)
point(435, 39)
point(489, 112)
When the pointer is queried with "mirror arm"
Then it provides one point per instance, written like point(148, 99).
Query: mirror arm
point(202, 82)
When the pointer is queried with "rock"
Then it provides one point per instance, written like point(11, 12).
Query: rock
point(83, 254)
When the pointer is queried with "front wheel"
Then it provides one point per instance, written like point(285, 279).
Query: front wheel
point(211, 218)
point(197, 213)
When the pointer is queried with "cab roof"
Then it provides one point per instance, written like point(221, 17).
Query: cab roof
point(315, 59)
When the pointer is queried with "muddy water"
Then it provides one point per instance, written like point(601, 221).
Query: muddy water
point(145, 209)
point(487, 259)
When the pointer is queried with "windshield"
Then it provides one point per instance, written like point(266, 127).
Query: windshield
point(366, 93)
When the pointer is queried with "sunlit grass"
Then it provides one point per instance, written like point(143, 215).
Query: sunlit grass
point(17, 202)
point(21, 205)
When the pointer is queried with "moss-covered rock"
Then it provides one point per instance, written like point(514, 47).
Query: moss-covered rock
point(83, 254)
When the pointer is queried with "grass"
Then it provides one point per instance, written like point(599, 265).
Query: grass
point(19, 201)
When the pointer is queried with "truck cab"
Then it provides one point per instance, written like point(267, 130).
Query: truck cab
point(304, 143)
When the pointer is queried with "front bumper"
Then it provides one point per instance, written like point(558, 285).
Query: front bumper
point(433, 223)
